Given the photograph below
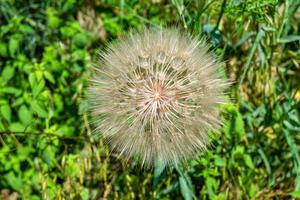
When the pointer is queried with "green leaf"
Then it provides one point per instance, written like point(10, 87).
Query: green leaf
point(7, 73)
point(37, 82)
point(32, 79)
point(25, 115)
point(13, 45)
point(235, 123)
point(37, 88)
point(185, 184)
point(85, 194)
point(295, 194)
point(3, 49)
point(297, 181)
point(49, 156)
point(23, 152)
point(59, 103)
point(72, 168)
point(185, 189)
point(290, 126)
point(211, 185)
point(17, 102)
point(68, 31)
point(11, 90)
point(253, 190)
point(239, 125)
point(265, 160)
point(158, 171)
point(248, 161)
point(294, 148)
point(289, 38)
point(52, 20)
point(38, 75)
point(244, 39)
point(66, 130)
point(83, 107)
point(220, 161)
point(49, 76)
point(39, 109)
point(80, 40)
point(6, 112)
point(26, 29)
point(17, 127)
point(14, 181)
point(69, 4)
point(1, 126)
point(239, 150)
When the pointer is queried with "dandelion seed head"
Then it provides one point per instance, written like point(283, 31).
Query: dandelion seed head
point(155, 95)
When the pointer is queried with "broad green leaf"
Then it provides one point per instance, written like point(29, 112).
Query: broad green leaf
point(49, 76)
point(11, 90)
point(235, 123)
point(26, 29)
point(239, 125)
point(1, 126)
point(68, 31)
point(220, 161)
point(295, 194)
point(7, 73)
point(85, 194)
point(211, 185)
point(14, 181)
point(66, 130)
point(6, 112)
point(13, 45)
point(68, 4)
point(17, 127)
point(239, 150)
point(23, 152)
point(72, 169)
point(59, 104)
point(39, 75)
point(39, 109)
point(248, 161)
point(38, 87)
point(253, 190)
point(32, 79)
point(49, 156)
point(3, 49)
point(19, 101)
point(25, 115)
point(53, 20)
point(83, 107)
point(80, 40)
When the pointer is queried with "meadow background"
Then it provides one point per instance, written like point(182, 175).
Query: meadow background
point(46, 50)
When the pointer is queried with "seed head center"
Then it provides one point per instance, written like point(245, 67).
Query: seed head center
point(156, 95)
point(158, 92)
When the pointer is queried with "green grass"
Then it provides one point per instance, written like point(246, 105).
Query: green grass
point(46, 151)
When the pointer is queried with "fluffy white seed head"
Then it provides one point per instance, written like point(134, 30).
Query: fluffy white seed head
point(154, 96)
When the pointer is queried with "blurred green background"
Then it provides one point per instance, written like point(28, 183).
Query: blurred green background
point(46, 49)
